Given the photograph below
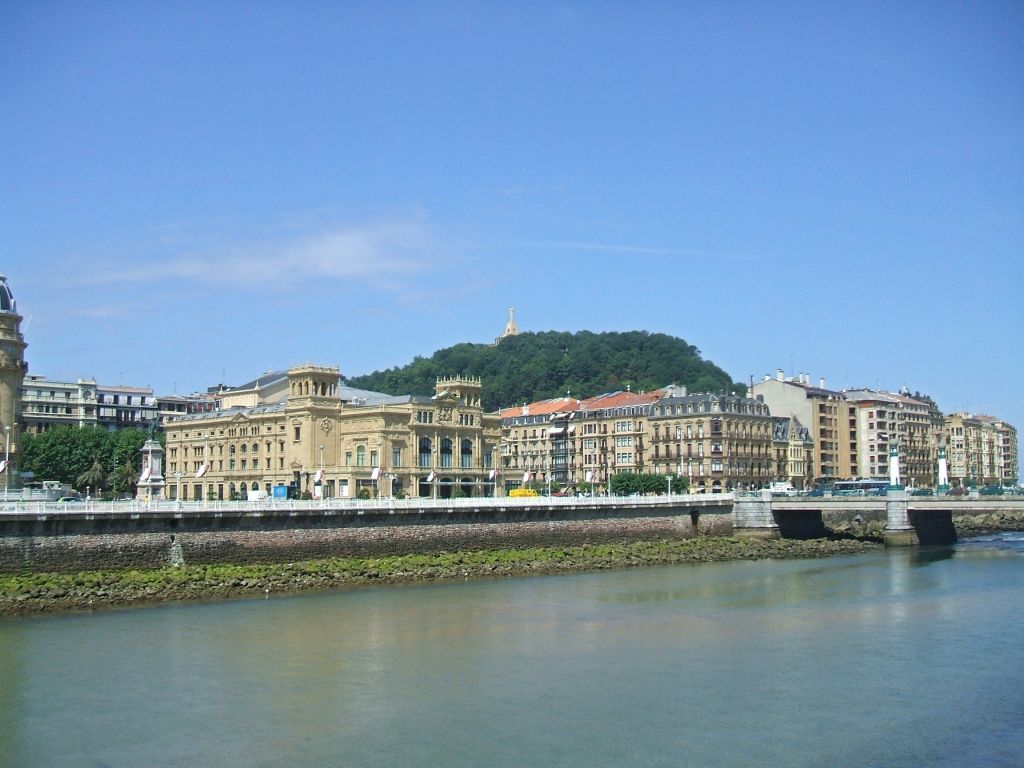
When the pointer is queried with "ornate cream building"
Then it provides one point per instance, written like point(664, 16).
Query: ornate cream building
point(305, 431)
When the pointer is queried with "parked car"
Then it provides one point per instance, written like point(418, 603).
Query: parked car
point(70, 499)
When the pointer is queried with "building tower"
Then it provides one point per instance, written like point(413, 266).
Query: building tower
point(12, 372)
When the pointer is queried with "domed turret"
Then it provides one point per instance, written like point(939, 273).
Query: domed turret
point(6, 297)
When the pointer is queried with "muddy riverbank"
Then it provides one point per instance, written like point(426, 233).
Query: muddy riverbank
point(35, 593)
point(52, 592)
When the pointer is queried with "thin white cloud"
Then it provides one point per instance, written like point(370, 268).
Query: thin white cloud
point(386, 253)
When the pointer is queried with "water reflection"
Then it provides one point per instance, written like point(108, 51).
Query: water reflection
point(798, 663)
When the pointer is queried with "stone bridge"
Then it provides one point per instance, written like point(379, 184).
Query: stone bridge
point(909, 520)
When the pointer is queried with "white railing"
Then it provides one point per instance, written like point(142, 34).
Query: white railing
point(408, 505)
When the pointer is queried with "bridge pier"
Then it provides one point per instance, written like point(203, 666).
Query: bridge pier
point(752, 517)
point(898, 530)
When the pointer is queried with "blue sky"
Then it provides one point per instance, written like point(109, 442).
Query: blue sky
point(198, 192)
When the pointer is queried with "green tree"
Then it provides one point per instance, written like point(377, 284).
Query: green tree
point(93, 478)
point(125, 479)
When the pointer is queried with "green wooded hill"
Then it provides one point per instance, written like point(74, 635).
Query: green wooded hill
point(536, 366)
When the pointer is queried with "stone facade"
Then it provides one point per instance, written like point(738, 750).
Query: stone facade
point(152, 541)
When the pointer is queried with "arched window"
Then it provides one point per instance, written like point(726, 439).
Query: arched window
point(446, 453)
point(255, 486)
point(360, 455)
point(467, 454)
point(255, 447)
point(426, 452)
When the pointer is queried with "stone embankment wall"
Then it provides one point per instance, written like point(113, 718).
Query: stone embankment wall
point(79, 543)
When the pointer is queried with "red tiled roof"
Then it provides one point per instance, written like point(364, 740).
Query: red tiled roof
point(542, 407)
point(620, 399)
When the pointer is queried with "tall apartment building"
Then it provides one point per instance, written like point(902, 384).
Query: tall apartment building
point(825, 412)
point(308, 431)
point(47, 403)
point(538, 443)
point(718, 442)
point(982, 450)
point(613, 436)
point(910, 424)
point(12, 372)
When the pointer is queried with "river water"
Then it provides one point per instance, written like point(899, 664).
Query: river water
point(901, 658)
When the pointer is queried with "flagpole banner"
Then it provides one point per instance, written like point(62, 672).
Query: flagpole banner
point(375, 475)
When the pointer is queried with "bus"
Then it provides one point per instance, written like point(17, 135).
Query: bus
point(860, 487)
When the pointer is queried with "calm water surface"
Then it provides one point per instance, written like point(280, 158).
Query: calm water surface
point(904, 658)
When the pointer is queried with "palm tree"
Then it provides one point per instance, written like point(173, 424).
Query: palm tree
point(125, 479)
point(93, 477)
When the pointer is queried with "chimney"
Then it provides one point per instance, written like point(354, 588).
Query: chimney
point(821, 382)
point(767, 377)
point(780, 375)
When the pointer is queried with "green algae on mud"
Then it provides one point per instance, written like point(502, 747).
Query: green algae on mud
point(51, 592)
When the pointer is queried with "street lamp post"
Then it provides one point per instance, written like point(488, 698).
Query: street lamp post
point(322, 483)
point(7, 460)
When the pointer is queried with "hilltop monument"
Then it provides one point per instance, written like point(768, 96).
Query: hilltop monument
point(511, 329)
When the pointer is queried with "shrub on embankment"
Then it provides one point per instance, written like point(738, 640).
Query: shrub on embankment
point(43, 592)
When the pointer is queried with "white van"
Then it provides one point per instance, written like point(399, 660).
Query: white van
point(783, 489)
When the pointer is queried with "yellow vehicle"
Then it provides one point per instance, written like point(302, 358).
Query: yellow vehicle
point(518, 493)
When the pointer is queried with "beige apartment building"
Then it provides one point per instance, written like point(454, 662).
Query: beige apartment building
point(982, 450)
point(538, 443)
point(825, 412)
point(793, 449)
point(613, 435)
point(910, 424)
point(48, 403)
point(719, 442)
point(564, 442)
point(305, 431)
